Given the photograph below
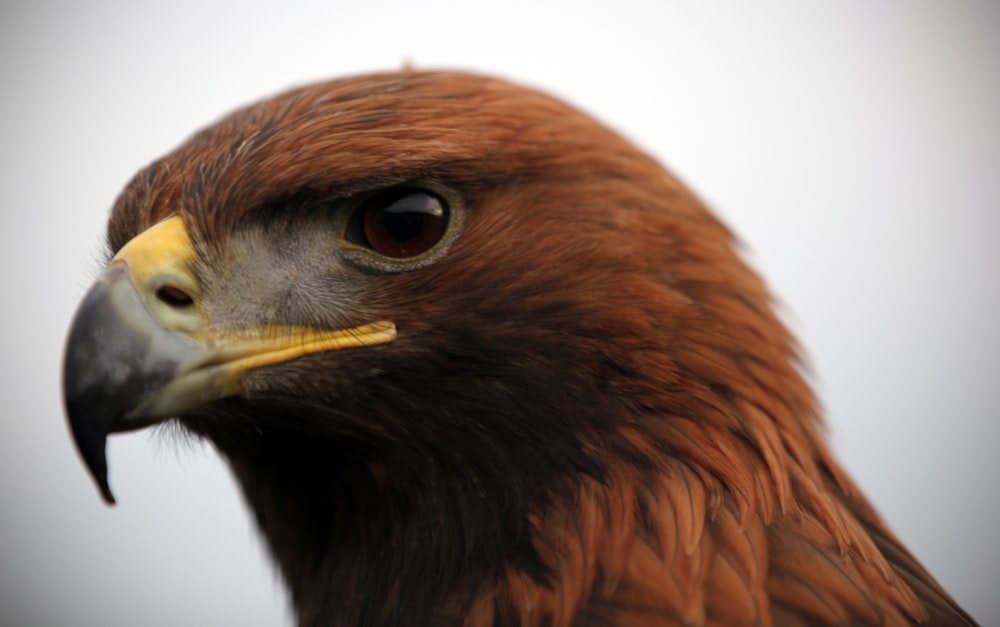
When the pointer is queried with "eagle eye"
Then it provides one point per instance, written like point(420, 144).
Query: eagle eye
point(400, 223)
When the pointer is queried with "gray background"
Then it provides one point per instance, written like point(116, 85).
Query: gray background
point(855, 148)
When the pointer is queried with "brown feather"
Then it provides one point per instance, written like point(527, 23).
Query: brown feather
point(592, 414)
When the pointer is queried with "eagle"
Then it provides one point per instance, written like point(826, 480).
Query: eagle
point(475, 359)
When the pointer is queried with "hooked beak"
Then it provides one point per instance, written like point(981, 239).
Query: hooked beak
point(141, 350)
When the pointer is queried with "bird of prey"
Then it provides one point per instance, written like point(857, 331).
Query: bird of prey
point(475, 360)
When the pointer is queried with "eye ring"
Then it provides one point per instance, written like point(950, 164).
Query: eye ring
point(401, 227)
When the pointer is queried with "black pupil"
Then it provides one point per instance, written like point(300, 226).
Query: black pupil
point(404, 219)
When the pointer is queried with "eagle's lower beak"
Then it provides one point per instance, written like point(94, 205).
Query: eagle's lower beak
point(140, 349)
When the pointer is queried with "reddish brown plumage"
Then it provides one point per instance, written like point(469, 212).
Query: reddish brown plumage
point(591, 415)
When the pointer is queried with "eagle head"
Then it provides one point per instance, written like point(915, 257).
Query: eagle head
point(475, 359)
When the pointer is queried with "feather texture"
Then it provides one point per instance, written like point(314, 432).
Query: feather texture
point(591, 415)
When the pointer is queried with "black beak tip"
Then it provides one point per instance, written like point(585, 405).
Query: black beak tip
point(109, 499)
point(99, 471)
point(90, 443)
point(97, 463)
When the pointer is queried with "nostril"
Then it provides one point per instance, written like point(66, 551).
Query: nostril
point(174, 296)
